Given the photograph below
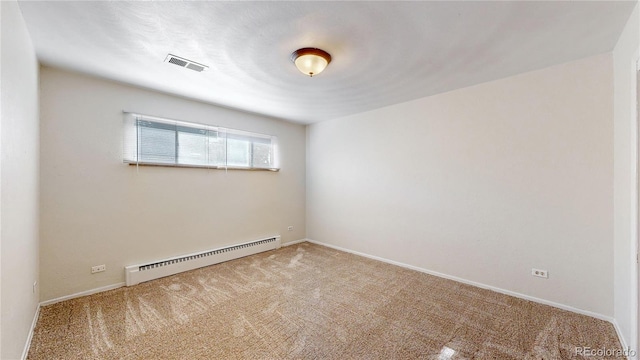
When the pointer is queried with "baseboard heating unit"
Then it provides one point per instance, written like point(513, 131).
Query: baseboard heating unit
point(136, 274)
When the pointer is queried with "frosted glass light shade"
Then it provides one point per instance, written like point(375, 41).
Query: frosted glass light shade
point(311, 61)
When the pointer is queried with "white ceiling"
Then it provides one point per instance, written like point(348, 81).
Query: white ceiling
point(383, 52)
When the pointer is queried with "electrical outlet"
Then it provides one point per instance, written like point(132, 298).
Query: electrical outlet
point(540, 273)
point(290, 228)
point(98, 268)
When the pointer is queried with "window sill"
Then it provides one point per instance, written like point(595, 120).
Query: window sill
point(202, 166)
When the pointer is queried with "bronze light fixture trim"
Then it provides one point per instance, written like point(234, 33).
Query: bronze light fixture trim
point(311, 61)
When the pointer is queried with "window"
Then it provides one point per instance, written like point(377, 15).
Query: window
point(154, 141)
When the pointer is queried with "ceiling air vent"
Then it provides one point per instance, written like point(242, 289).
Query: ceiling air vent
point(185, 63)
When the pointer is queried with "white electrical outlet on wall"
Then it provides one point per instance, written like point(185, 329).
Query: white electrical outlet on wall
point(98, 268)
point(540, 273)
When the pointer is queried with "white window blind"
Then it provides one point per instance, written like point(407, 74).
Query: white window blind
point(150, 140)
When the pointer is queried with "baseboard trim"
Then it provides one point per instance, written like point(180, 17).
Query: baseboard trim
point(294, 242)
point(27, 344)
point(469, 282)
point(82, 293)
point(623, 343)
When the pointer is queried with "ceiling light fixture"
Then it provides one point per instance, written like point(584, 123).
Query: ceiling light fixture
point(311, 61)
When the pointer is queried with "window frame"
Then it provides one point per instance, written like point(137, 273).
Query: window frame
point(132, 146)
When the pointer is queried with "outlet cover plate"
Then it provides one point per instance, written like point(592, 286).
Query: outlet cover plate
point(540, 273)
point(98, 268)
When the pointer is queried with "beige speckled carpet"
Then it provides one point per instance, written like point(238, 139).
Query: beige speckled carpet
point(310, 302)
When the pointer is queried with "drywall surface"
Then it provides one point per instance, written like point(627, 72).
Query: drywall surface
point(625, 56)
point(96, 210)
point(483, 183)
point(19, 181)
point(0, 181)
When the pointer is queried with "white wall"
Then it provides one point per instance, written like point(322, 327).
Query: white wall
point(97, 210)
point(625, 55)
point(19, 181)
point(482, 183)
point(1, 81)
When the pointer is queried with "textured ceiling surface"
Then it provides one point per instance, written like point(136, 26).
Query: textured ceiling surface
point(383, 52)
